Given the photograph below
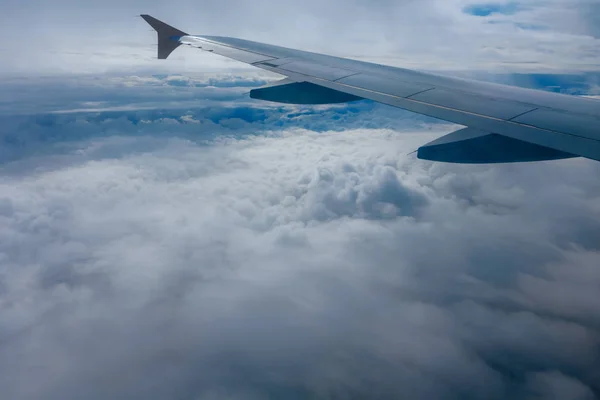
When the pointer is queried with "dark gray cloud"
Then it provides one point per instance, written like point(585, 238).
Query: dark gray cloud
point(208, 250)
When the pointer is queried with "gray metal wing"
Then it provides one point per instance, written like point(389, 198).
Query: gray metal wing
point(506, 123)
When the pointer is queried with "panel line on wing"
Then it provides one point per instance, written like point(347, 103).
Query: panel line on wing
point(415, 101)
point(322, 71)
point(385, 85)
point(344, 77)
point(422, 91)
point(275, 63)
point(520, 115)
point(483, 105)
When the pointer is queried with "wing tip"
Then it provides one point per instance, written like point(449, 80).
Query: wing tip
point(167, 36)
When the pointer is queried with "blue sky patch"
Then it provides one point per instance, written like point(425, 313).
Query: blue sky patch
point(485, 10)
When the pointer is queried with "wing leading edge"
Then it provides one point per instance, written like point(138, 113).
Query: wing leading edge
point(505, 123)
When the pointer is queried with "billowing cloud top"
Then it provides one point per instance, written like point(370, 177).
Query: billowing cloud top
point(163, 236)
point(218, 248)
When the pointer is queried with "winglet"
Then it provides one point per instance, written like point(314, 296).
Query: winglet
point(168, 37)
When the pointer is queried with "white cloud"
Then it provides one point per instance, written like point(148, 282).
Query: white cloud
point(297, 264)
point(66, 37)
point(171, 238)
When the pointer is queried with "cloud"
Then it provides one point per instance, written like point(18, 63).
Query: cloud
point(258, 251)
point(197, 108)
point(64, 37)
point(553, 385)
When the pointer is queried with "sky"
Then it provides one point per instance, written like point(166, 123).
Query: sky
point(164, 236)
point(67, 36)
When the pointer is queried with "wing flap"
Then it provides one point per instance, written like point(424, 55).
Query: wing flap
point(582, 125)
point(473, 103)
point(317, 70)
point(277, 62)
point(385, 85)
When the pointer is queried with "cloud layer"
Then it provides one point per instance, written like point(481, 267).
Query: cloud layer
point(67, 36)
point(250, 252)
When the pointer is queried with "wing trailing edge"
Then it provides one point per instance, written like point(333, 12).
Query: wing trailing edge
point(506, 123)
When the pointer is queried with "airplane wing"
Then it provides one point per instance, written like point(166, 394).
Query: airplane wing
point(503, 123)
